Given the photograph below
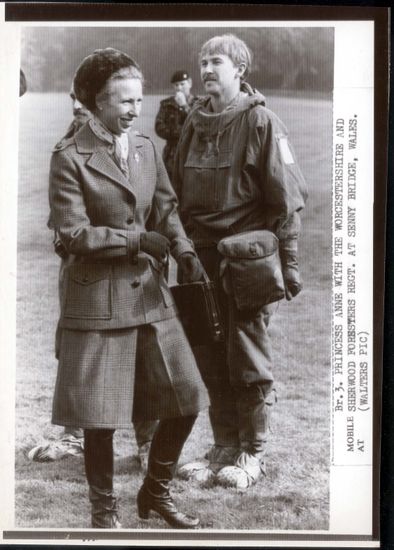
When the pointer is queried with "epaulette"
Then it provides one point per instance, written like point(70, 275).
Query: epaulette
point(62, 144)
point(170, 100)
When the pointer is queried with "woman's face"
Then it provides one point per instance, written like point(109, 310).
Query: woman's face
point(119, 103)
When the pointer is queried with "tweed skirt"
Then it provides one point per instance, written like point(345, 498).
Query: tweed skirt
point(107, 378)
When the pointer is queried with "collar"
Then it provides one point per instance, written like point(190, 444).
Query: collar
point(87, 140)
point(209, 124)
point(100, 130)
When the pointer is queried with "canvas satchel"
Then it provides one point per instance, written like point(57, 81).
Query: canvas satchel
point(251, 269)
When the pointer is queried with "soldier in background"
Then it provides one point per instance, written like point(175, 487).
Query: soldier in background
point(172, 114)
point(70, 443)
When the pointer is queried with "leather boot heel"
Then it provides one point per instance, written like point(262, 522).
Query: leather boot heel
point(165, 507)
point(143, 506)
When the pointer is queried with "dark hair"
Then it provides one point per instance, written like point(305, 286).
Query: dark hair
point(99, 67)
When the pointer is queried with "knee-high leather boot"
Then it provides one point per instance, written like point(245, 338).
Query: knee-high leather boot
point(99, 468)
point(165, 450)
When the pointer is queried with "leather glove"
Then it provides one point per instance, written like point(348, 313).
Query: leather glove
point(291, 275)
point(190, 267)
point(60, 249)
point(155, 244)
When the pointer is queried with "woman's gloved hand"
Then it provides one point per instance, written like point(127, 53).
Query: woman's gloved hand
point(191, 267)
point(155, 244)
point(291, 274)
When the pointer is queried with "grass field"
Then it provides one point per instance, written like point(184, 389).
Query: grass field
point(295, 494)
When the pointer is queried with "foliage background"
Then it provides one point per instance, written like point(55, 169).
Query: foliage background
point(284, 58)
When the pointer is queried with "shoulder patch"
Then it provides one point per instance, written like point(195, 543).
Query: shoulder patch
point(62, 144)
point(284, 149)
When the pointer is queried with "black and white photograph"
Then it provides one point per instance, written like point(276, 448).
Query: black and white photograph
point(193, 344)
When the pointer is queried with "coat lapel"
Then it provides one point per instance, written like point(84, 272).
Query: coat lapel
point(100, 160)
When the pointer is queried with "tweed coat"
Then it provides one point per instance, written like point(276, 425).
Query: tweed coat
point(112, 288)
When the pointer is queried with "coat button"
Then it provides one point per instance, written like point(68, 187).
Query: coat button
point(130, 220)
point(136, 283)
point(85, 280)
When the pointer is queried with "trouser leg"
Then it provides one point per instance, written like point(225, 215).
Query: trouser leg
point(254, 408)
point(144, 431)
point(222, 411)
point(249, 359)
point(212, 362)
point(99, 468)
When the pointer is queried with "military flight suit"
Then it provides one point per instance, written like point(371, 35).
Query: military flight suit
point(235, 171)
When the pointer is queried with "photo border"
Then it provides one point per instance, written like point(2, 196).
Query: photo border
point(77, 12)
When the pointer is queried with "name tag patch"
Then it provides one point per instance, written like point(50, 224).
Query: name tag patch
point(284, 149)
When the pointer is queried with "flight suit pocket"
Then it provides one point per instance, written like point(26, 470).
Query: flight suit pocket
point(158, 275)
point(206, 180)
point(88, 293)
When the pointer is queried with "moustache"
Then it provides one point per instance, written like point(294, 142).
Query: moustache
point(208, 78)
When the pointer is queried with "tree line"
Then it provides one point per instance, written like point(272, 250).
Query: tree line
point(284, 58)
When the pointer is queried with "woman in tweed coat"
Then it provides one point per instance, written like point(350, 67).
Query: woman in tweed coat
point(123, 353)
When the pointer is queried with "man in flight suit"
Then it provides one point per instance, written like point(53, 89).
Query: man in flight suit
point(235, 172)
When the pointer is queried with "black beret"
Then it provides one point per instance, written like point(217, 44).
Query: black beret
point(179, 75)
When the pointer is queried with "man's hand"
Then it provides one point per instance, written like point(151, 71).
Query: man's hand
point(293, 282)
point(191, 267)
point(291, 275)
point(180, 98)
point(155, 244)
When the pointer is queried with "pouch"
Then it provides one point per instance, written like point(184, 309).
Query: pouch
point(251, 270)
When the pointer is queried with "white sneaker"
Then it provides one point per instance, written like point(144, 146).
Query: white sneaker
point(247, 469)
point(67, 445)
point(204, 471)
point(197, 471)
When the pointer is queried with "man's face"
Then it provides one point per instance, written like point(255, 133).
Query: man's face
point(120, 104)
point(183, 86)
point(218, 73)
point(80, 112)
